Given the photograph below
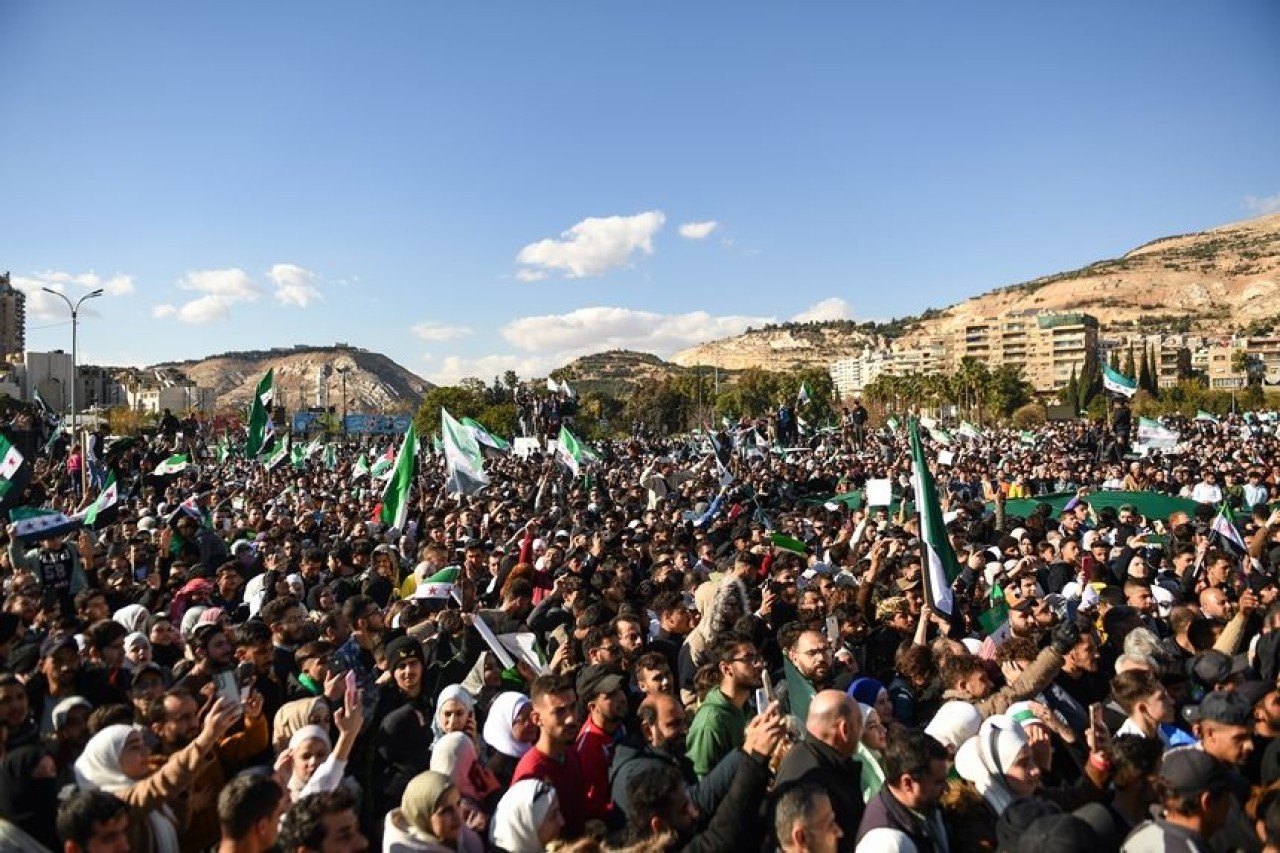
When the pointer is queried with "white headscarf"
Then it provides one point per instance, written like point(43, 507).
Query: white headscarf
point(954, 723)
point(132, 616)
point(301, 736)
point(984, 758)
point(98, 767)
point(456, 693)
point(520, 814)
point(453, 755)
point(497, 726)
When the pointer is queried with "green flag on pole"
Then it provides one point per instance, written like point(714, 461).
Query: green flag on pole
point(940, 565)
point(395, 497)
point(259, 419)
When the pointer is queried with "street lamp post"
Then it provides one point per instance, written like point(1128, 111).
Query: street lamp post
point(343, 371)
point(75, 313)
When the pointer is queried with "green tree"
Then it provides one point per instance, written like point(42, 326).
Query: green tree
point(1128, 362)
point(1090, 378)
point(1070, 393)
point(1008, 390)
point(463, 400)
point(1144, 372)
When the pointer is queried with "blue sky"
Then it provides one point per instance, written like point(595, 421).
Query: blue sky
point(472, 187)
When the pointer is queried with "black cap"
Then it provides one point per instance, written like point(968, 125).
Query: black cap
point(599, 678)
point(54, 643)
point(1018, 817)
point(1058, 833)
point(144, 669)
point(1189, 770)
point(1226, 707)
point(1255, 691)
point(1211, 668)
point(401, 649)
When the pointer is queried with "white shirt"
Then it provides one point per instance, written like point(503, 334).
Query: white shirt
point(1206, 493)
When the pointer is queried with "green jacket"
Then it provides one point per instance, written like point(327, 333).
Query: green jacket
point(718, 728)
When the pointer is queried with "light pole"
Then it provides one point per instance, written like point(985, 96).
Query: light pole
point(75, 313)
point(343, 371)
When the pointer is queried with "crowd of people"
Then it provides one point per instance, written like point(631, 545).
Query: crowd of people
point(693, 644)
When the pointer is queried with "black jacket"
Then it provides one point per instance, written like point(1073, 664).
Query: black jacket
point(630, 759)
point(885, 812)
point(816, 762)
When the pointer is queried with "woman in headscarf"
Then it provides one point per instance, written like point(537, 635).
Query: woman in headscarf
point(317, 763)
point(429, 819)
point(115, 761)
point(29, 793)
point(996, 767)
point(721, 605)
point(510, 733)
point(294, 715)
point(527, 818)
point(166, 642)
point(70, 731)
point(875, 737)
point(133, 617)
point(869, 691)
point(195, 592)
point(455, 712)
point(454, 755)
point(137, 649)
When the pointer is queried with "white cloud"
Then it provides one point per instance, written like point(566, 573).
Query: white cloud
point(592, 247)
point(221, 289)
point(1262, 205)
point(601, 328)
point(439, 332)
point(46, 306)
point(206, 309)
point(834, 308)
point(698, 230)
point(232, 285)
point(294, 285)
point(117, 285)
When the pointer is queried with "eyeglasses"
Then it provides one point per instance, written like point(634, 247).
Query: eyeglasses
point(753, 660)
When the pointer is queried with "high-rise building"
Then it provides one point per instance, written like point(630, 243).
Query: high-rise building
point(1048, 347)
point(13, 321)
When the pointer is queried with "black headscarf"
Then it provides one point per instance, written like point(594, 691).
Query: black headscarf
point(31, 804)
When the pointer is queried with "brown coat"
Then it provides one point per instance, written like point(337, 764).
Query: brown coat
point(196, 806)
point(1030, 681)
point(161, 789)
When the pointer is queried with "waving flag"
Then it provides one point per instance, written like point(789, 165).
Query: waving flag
point(104, 509)
point(395, 497)
point(940, 565)
point(175, 464)
point(360, 469)
point(802, 398)
point(483, 436)
point(1224, 531)
point(1118, 383)
point(34, 524)
point(569, 451)
point(462, 457)
point(260, 426)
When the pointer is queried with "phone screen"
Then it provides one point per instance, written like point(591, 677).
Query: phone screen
point(1096, 721)
point(227, 687)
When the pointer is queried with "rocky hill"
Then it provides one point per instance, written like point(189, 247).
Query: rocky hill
point(1213, 282)
point(372, 381)
point(791, 346)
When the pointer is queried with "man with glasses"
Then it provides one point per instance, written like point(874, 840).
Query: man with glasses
point(719, 726)
point(808, 671)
